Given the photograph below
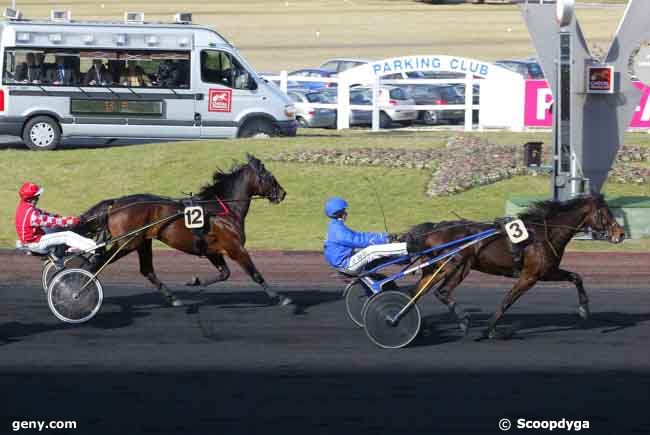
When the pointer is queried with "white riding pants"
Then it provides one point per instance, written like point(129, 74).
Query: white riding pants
point(72, 239)
point(373, 252)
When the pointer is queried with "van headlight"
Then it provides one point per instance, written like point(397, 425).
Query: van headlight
point(290, 110)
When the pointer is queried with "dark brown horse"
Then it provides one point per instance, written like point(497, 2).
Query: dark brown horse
point(550, 224)
point(226, 202)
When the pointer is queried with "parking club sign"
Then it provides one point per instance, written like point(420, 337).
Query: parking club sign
point(220, 100)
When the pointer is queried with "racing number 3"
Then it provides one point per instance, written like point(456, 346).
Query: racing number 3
point(194, 217)
point(517, 231)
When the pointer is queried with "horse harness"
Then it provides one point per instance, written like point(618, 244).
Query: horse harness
point(210, 209)
point(516, 249)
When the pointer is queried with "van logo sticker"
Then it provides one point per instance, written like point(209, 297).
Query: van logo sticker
point(220, 100)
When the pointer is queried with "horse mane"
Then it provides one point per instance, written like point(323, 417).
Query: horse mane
point(223, 183)
point(541, 210)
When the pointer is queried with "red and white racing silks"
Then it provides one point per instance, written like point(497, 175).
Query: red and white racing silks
point(30, 222)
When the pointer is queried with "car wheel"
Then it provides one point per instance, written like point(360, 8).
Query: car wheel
point(430, 117)
point(42, 133)
point(257, 128)
point(384, 120)
point(302, 123)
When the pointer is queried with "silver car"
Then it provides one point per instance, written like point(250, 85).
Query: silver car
point(308, 116)
point(390, 98)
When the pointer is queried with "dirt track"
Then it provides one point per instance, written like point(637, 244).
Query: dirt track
point(233, 365)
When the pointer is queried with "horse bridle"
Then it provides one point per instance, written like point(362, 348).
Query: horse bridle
point(604, 231)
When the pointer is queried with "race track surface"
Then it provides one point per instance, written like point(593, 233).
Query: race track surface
point(227, 363)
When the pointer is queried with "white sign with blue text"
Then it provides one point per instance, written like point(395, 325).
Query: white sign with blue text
point(431, 63)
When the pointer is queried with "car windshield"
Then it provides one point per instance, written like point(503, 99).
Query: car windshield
point(535, 71)
point(330, 66)
point(423, 90)
point(317, 97)
point(361, 97)
point(350, 64)
point(398, 94)
point(450, 92)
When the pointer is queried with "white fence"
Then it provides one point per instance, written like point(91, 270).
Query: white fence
point(343, 106)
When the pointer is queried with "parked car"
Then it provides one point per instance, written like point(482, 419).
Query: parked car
point(336, 66)
point(529, 69)
point(476, 98)
point(276, 82)
point(308, 116)
point(391, 97)
point(294, 77)
point(358, 97)
point(438, 95)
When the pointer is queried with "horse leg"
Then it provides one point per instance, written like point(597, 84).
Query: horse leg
point(224, 272)
point(565, 275)
point(444, 295)
point(524, 283)
point(241, 256)
point(145, 254)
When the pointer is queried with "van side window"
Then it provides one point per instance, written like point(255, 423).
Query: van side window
point(220, 67)
point(102, 68)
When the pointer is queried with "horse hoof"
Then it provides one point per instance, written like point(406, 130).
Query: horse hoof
point(285, 301)
point(176, 303)
point(504, 334)
point(583, 311)
point(194, 283)
point(464, 325)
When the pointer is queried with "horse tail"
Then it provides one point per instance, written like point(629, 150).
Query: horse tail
point(94, 221)
point(416, 236)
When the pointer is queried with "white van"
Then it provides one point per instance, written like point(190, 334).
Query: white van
point(64, 79)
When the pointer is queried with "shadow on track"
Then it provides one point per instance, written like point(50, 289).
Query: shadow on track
point(439, 329)
point(291, 401)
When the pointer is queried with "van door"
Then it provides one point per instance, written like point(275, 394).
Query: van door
point(228, 90)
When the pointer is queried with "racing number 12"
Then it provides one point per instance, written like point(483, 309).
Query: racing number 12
point(193, 217)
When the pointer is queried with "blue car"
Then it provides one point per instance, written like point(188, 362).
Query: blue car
point(295, 76)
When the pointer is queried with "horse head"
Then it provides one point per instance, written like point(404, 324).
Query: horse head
point(601, 220)
point(264, 183)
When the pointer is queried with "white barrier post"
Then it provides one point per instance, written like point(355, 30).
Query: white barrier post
point(375, 105)
point(469, 101)
point(343, 104)
point(284, 78)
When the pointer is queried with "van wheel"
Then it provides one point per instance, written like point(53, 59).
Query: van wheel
point(384, 120)
point(257, 128)
point(42, 133)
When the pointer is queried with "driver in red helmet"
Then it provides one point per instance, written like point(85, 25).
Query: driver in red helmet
point(31, 223)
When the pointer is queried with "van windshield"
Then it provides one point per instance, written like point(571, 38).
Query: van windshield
point(114, 68)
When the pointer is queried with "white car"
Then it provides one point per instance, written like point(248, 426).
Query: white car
point(390, 98)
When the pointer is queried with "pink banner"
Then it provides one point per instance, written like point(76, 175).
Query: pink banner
point(539, 98)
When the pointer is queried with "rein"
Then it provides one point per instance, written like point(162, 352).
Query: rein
point(112, 210)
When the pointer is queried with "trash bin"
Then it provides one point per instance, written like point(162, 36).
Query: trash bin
point(533, 154)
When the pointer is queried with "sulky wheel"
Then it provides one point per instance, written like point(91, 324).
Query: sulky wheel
point(356, 296)
point(74, 295)
point(381, 309)
point(49, 269)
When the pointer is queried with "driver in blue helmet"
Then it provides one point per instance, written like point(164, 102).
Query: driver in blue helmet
point(341, 241)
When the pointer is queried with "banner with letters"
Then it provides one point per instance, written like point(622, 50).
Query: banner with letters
point(538, 101)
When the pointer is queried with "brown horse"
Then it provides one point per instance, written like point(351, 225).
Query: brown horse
point(226, 202)
point(551, 225)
